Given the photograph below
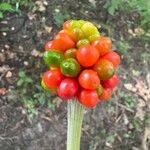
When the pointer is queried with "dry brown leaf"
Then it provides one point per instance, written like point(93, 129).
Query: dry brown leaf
point(146, 138)
point(31, 15)
point(130, 87)
point(8, 74)
point(5, 68)
point(3, 91)
point(48, 29)
point(40, 6)
point(138, 31)
point(2, 57)
point(36, 53)
point(125, 118)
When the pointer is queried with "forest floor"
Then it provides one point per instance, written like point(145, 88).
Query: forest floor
point(31, 119)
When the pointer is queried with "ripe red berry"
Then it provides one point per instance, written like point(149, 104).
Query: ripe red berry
point(52, 78)
point(104, 68)
point(68, 88)
point(66, 24)
point(113, 57)
point(89, 79)
point(106, 94)
point(88, 98)
point(103, 44)
point(111, 83)
point(87, 55)
point(52, 45)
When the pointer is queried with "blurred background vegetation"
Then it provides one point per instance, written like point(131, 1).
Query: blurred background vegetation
point(28, 112)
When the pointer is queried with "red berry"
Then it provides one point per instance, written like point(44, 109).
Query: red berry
point(68, 88)
point(111, 83)
point(106, 94)
point(89, 79)
point(65, 41)
point(52, 78)
point(87, 55)
point(88, 98)
point(66, 24)
point(104, 69)
point(52, 45)
point(103, 44)
point(113, 57)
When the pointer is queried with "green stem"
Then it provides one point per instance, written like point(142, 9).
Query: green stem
point(75, 118)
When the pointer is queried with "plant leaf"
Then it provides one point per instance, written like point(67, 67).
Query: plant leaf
point(6, 7)
point(21, 74)
point(1, 15)
point(20, 82)
point(28, 80)
point(112, 6)
point(42, 100)
point(60, 18)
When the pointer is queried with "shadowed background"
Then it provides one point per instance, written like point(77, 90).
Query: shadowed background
point(31, 119)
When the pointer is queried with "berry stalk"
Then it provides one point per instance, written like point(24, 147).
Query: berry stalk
point(75, 118)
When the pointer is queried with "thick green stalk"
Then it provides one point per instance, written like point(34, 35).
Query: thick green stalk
point(75, 118)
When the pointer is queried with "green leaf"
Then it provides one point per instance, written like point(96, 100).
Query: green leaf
point(29, 103)
point(6, 7)
point(1, 15)
point(28, 80)
point(51, 105)
point(111, 137)
point(126, 135)
point(20, 82)
point(107, 4)
point(22, 74)
point(112, 6)
point(42, 100)
point(60, 18)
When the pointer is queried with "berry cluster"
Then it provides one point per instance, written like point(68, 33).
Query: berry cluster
point(81, 64)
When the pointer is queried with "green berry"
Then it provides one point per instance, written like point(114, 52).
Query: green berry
point(50, 90)
point(100, 90)
point(70, 67)
point(89, 29)
point(94, 37)
point(53, 58)
point(76, 24)
point(70, 53)
point(78, 33)
point(82, 42)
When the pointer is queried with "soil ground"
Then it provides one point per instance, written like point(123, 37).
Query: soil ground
point(123, 123)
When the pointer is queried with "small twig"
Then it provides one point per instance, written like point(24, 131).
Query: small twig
point(146, 136)
point(125, 72)
point(123, 106)
point(46, 118)
point(8, 138)
point(119, 116)
point(148, 79)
